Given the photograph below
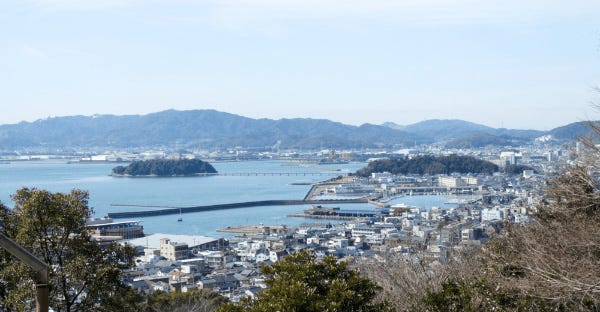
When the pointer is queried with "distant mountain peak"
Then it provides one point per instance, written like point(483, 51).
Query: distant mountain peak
point(392, 125)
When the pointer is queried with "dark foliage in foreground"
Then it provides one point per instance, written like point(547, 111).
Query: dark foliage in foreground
point(84, 276)
point(194, 300)
point(300, 282)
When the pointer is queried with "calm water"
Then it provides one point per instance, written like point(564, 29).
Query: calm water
point(106, 190)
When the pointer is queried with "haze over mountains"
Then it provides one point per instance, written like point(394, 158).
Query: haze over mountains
point(214, 129)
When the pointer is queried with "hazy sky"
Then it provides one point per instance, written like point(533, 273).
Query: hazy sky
point(512, 63)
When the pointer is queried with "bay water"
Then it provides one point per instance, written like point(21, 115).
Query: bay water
point(106, 191)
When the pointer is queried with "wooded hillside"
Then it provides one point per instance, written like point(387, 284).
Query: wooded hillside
point(165, 167)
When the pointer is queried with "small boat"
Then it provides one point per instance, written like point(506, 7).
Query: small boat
point(180, 218)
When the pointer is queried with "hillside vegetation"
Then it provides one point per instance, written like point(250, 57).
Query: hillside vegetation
point(429, 165)
point(193, 129)
point(549, 264)
point(164, 168)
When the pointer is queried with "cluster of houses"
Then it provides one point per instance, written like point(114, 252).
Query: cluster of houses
point(232, 266)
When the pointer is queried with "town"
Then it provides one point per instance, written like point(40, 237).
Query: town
point(230, 265)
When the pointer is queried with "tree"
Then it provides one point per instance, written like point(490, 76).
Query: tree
point(549, 264)
point(429, 165)
point(556, 258)
point(84, 277)
point(301, 283)
point(196, 300)
point(418, 284)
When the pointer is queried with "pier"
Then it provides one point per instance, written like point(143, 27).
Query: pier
point(169, 210)
point(334, 213)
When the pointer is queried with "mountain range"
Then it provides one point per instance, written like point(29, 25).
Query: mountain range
point(214, 129)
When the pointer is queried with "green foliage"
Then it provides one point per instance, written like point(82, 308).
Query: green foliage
point(555, 260)
point(478, 294)
point(482, 295)
point(165, 167)
point(453, 297)
point(300, 283)
point(551, 264)
point(52, 226)
point(195, 300)
point(429, 165)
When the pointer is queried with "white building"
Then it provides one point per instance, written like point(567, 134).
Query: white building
point(453, 181)
point(449, 181)
point(528, 173)
point(173, 250)
point(492, 214)
point(338, 243)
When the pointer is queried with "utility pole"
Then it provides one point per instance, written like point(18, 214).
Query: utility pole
point(40, 268)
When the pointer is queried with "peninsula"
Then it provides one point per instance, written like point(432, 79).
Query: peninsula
point(164, 168)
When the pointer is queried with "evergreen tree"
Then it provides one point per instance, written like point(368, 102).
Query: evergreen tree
point(83, 276)
point(195, 300)
point(301, 283)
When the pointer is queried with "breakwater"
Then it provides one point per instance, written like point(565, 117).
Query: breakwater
point(235, 174)
point(310, 193)
point(169, 210)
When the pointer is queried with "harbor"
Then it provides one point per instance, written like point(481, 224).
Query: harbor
point(335, 213)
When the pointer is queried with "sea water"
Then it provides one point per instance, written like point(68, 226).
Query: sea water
point(107, 193)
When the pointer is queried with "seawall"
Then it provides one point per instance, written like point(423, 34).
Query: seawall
point(177, 210)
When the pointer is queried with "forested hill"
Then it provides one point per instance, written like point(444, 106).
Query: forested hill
point(429, 165)
point(196, 129)
point(165, 168)
point(207, 129)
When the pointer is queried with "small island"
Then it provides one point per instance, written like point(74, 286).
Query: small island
point(165, 168)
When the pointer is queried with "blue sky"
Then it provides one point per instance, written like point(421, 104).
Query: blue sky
point(500, 63)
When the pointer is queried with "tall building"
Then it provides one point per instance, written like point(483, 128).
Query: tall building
point(172, 250)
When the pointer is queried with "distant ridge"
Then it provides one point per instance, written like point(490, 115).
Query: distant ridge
point(572, 131)
point(214, 129)
point(448, 129)
point(451, 129)
point(195, 129)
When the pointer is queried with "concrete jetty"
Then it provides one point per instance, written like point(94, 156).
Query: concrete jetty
point(169, 210)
